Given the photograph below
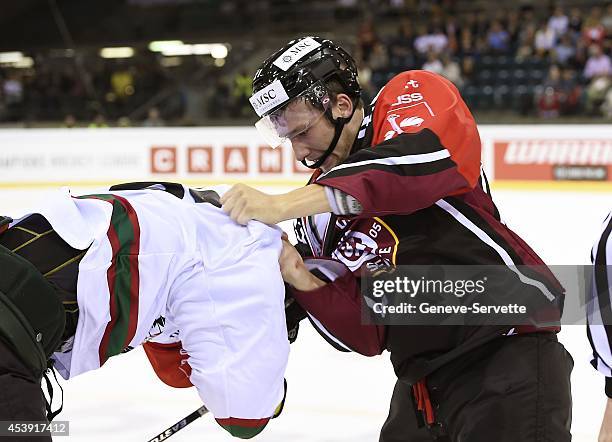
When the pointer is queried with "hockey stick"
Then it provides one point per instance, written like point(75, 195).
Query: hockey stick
point(180, 425)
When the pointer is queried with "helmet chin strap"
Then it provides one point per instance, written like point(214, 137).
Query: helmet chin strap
point(339, 124)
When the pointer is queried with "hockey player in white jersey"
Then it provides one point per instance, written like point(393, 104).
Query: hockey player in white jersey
point(159, 264)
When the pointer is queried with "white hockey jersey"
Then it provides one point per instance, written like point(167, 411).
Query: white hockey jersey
point(170, 269)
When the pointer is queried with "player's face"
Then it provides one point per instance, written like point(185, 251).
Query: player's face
point(311, 143)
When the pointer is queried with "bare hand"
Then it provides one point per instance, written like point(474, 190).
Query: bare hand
point(244, 203)
point(294, 271)
point(605, 433)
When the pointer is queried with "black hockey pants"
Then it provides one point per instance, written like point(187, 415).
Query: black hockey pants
point(514, 389)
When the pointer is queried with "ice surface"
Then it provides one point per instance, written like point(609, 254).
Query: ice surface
point(332, 396)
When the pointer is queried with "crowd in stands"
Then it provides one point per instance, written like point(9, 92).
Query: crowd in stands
point(532, 61)
point(529, 60)
point(84, 92)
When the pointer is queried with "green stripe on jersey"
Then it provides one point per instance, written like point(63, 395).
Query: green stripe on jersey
point(123, 287)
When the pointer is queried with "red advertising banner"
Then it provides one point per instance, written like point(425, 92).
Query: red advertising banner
point(562, 160)
point(270, 160)
point(163, 159)
point(200, 159)
point(236, 159)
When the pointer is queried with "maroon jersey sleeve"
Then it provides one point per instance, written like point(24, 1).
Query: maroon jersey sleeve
point(425, 146)
point(336, 308)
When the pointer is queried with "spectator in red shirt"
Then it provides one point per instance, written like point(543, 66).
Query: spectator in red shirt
point(593, 30)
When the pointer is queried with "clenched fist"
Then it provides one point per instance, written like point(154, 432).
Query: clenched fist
point(244, 203)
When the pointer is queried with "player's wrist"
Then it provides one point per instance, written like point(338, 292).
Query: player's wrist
point(283, 206)
point(307, 282)
point(309, 200)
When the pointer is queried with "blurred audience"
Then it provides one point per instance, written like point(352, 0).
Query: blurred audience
point(526, 40)
point(558, 22)
point(559, 94)
point(430, 41)
point(98, 122)
point(551, 63)
point(153, 119)
point(69, 122)
point(452, 70)
point(498, 38)
point(606, 107)
point(400, 46)
point(367, 39)
point(564, 51)
point(532, 59)
point(242, 89)
point(545, 38)
point(593, 30)
point(598, 71)
point(606, 21)
point(433, 63)
point(598, 64)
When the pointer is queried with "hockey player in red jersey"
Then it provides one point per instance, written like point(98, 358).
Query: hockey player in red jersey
point(407, 169)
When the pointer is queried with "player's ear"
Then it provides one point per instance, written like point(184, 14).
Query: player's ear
point(344, 105)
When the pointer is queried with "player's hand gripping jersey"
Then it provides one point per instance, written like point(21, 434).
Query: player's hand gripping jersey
point(415, 170)
point(164, 265)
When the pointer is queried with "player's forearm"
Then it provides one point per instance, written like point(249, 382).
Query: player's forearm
point(305, 201)
point(337, 306)
point(307, 282)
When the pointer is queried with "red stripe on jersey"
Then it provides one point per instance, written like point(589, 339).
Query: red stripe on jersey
point(111, 277)
point(249, 423)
